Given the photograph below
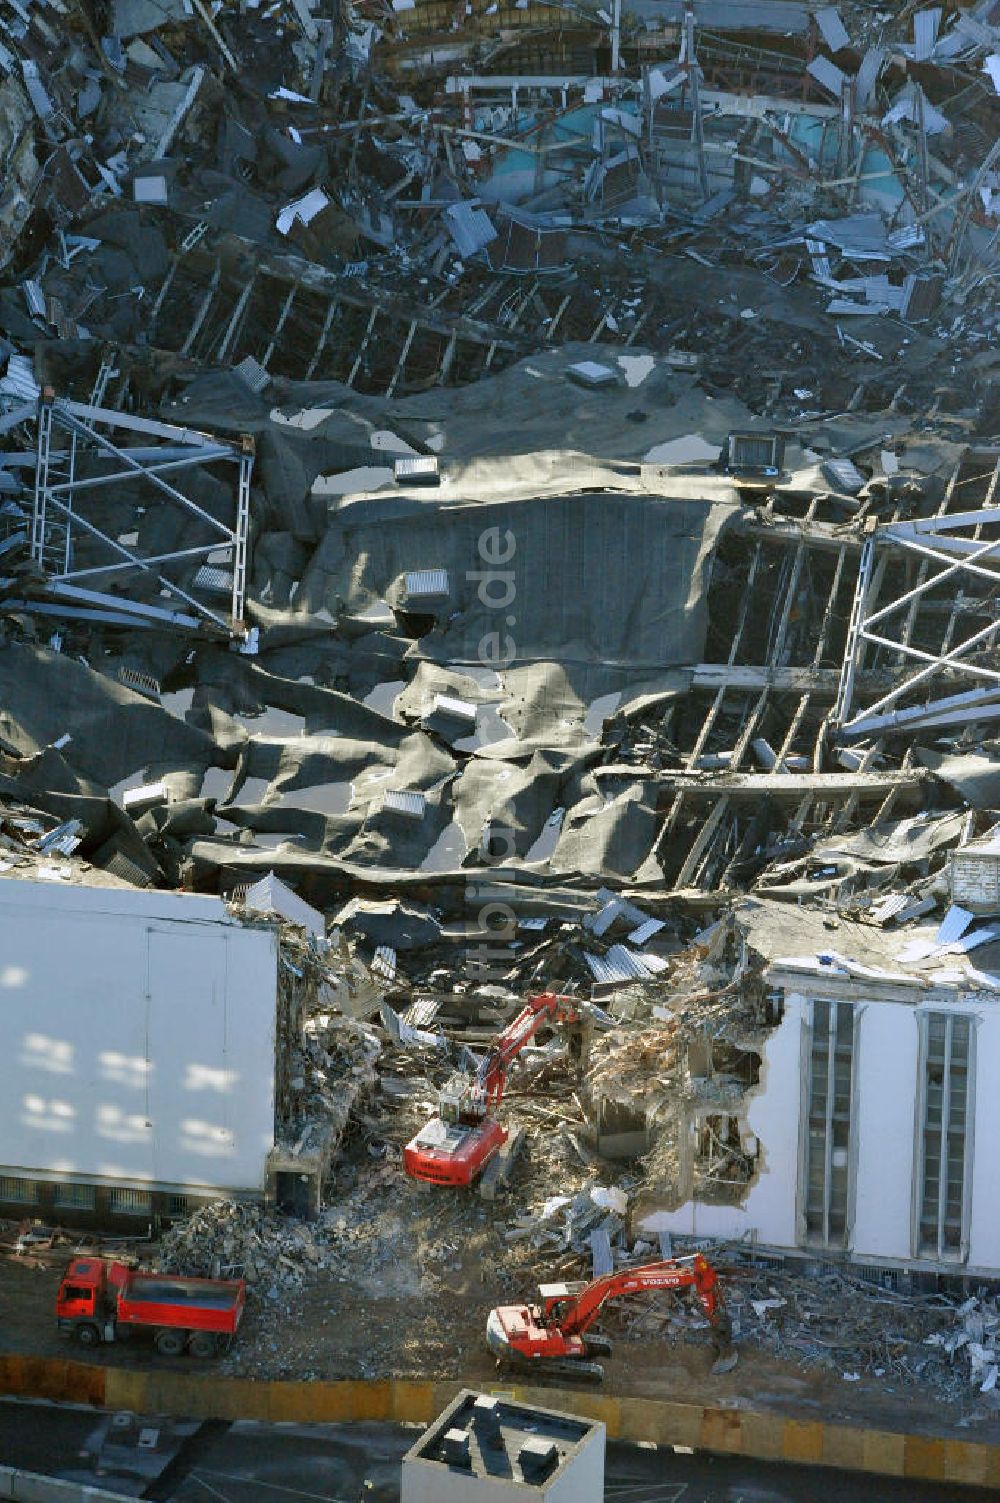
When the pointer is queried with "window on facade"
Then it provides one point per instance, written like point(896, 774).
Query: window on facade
point(828, 1124)
point(177, 1205)
point(130, 1202)
point(946, 1049)
point(23, 1191)
point(75, 1197)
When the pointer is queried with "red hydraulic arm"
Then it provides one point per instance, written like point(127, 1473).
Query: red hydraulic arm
point(546, 1007)
point(574, 1315)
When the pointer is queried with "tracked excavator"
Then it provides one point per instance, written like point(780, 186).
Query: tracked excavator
point(554, 1337)
point(455, 1146)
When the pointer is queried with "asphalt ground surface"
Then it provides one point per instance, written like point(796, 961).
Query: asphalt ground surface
point(170, 1461)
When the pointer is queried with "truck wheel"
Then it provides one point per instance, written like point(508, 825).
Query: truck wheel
point(169, 1343)
point(202, 1344)
point(88, 1336)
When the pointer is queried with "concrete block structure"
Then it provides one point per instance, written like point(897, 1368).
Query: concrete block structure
point(486, 1449)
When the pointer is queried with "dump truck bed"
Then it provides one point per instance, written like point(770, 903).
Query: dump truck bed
point(193, 1304)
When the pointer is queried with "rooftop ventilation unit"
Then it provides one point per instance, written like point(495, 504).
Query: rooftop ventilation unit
point(456, 1449)
point(416, 469)
point(142, 683)
point(592, 375)
point(458, 709)
point(251, 373)
point(538, 1458)
point(213, 581)
point(754, 454)
point(407, 805)
point(425, 584)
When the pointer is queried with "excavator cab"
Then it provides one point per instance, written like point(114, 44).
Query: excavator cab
point(460, 1101)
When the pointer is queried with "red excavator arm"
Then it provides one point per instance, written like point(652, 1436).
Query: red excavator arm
point(576, 1314)
point(546, 1007)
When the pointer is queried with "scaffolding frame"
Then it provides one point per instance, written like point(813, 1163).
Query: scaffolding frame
point(949, 546)
point(60, 512)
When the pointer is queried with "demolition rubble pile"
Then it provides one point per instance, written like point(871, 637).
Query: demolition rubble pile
point(307, 298)
point(904, 1339)
point(233, 1239)
point(974, 1342)
point(279, 1254)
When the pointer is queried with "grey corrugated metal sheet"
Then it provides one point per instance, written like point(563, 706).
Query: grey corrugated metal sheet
point(888, 907)
point(967, 37)
point(859, 235)
point(421, 1014)
point(614, 907)
point(426, 582)
point(645, 931)
point(271, 895)
point(953, 925)
point(867, 75)
point(832, 29)
point(622, 964)
point(20, 379)
point(36, 89)
point(383, 965)
point(470, 228)
point(908, 237)
point(828, 75)
point(925, 30)
point(843, 475)
point(782, 16)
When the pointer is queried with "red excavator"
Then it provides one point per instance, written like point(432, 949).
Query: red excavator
point(552, 1337)
point(454, 1147)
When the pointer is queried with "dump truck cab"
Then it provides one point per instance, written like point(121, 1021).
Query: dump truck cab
point(86, 1301)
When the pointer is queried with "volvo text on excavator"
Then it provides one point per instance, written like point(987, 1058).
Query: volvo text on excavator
point(554, 1336)
point(454, 1147)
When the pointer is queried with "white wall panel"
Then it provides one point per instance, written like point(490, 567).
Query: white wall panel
point(136, 1037)
point(883, 1130)
point(984, 1229)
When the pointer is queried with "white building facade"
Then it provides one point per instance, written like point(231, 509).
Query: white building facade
point(876, 1119)
point(137, 1051)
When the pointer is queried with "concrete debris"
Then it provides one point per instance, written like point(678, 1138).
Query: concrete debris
point(229, 1239)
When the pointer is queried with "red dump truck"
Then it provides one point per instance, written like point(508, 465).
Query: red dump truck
point(101, 1300)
